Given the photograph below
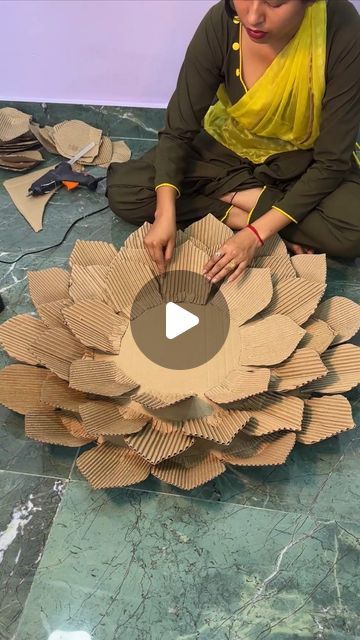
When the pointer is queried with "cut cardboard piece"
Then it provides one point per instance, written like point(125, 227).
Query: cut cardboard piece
point(318, 336)
point(51, 312)
point(100, 378)
point(136, 239)
point(56, 349)
point(20, 387)
point(31, 208)
point(342, 315)
point(325, 417)
point(76, 428)
point(71, 136)
point(210, 232)
point(247, 296)
point(269, 341)
point(159, 441)
point(204, 468)
point(275, 246)
point(57, 394)
point(107, 418)
point(48, 285)
point(88, 283)
point(239, 384)
point(124, 282)
point(92, 252)
point(343, 364)
point(181, 283)
point(13, 123)
point(120, 151)
point(280, 266)
point(104, 156)
point(17, 336)
point(45, 425)
point(271, 412)
point(107, 466)
point(20, 160)
point(96, 325)
point(310, 267)
point(45, 136)
point(303, 366)
point(138, 255)
point(153, 400)
point(296, 299)
point(221, 427)
point(247, 451)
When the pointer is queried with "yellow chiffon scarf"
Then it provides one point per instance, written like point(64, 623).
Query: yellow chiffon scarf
point(282, 111)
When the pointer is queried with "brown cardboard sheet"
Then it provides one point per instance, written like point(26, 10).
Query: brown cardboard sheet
point(31, 208)
point(18, 334)
point(103, 328)
point(45, 136)
point(310, 267)
point(120, 151)
point(342, 315)
point(268, 341)
point(87, 283)
point(123, 283)
point(239, 384)
point(204, 468)
point(20, 387)
point(303, 366)
point(13, 123)
point(159, 441)
point(296, 299)
point(51, 312)
point(48, 285)
point(259, 451)
point(104, 417)
point(56, 349)
point(107, 466)
point(210, 232)
point(46, 425)
point(104, 156)
point(247, 296)
point(136, 239)
point(71, 136)
point(280, 266)
point(275, 246)
point(343, 364)
point(273, 412)
point(92, 252)
point(100, 378)
point(76, 428)
point(325, 417)
point(318, 336)
point(221, 427)
point(57, 394)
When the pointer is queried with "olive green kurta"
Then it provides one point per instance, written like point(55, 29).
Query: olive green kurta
point(319, 188)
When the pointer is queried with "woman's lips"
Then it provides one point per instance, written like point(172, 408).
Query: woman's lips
point(256, 35)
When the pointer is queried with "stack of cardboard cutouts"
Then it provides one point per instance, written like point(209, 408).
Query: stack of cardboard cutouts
point(17, 143)
point(278, 378)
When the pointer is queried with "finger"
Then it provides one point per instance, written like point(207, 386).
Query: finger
point(213, 260)
point(237, 273)
point(159, 258)
point(169, 250)
point(223, 273)
point(219, 266)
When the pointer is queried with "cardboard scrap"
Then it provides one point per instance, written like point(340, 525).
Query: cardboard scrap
point(239, 384)
point(71, 136)
point(57, 394)
point(92, 252)
point(32, 209)
point(303, 366)
point(319, 336)
point(247, 296)
point(96, 325)
point(268, 341)
point(45, 425)
point(108, 418)
point(324, 417)
point(17, 336)
point(20, 160)
point(45, 136)
point(343, 364)
point(107, 466)
point(56, 349)
point(342, 315)
point(20, 387)
point(296, 299)
point(101, 378)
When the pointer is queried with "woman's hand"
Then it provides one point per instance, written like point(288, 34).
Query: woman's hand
point(233, 257)
point(160, 240)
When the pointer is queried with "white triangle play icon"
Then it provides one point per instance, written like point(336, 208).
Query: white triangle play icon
point(178, 320)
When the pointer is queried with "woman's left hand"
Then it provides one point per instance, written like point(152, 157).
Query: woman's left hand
point(233, 257)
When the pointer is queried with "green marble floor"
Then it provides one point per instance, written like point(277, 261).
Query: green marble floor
point(258, 554)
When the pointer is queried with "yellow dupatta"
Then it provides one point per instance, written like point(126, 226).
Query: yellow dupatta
point(282, 111)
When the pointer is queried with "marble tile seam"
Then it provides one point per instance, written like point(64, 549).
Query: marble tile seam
point(34, 475)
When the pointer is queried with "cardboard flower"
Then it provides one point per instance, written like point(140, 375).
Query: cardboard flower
point(277, 379)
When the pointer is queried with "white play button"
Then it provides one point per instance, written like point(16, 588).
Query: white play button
point(178, 320)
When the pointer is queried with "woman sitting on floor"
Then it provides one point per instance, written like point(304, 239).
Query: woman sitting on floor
point(276, 151)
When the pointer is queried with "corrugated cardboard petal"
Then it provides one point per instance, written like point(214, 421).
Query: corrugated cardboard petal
point(71, 136)
point(159, 441)
point(275, 246)
point(343, 364)
point(240, 384)
point(296, 299)
point(107, 466)
point(271, 412)
point(207, 468)
point(45, 425)
point(76, 428)
point(32, 208)
point(48, 285)
point(20, 387)
point(304, 366)
point(107, 418)
point(152, 400)
point(51, 312)
point(56, 349)
point(210, 232)
point(182, 283)
point(268, 450)
point(92, 252)
point(221, 427)
point(136, 239)
point(104, 156)
point(101, 378)
point(280, 266)
point(88, 283)
point(342, 315)
point(45, 136)
point(324, 417)
point(57, 394)
point(120, 151)
point(124, 281)
point(310, 267)
point(247, 296)
point(318, 336)
point(17, 336)
point(96, 325)
point(138, 255)
point(269, 341)
point(13, 123)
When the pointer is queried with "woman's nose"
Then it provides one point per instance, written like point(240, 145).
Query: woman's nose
point(256, 14)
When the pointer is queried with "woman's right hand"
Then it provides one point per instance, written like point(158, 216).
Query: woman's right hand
point(160, 240)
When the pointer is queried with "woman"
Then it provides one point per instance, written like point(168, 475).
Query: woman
point(275, 153)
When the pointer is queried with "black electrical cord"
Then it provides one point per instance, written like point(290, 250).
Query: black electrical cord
point(53, 246)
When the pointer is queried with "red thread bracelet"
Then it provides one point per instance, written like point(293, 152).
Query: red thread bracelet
point(249, 226)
